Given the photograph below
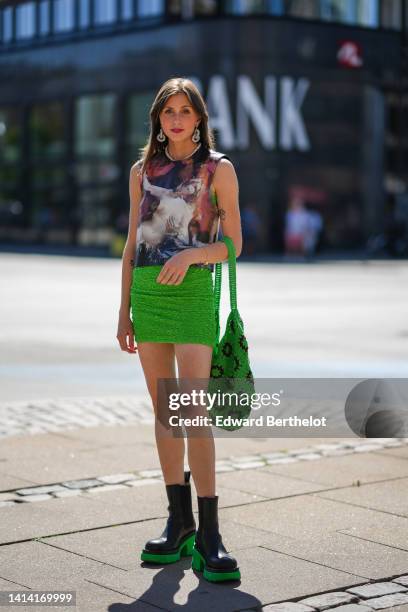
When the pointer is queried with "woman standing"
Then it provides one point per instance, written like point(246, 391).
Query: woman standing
point(180, 189)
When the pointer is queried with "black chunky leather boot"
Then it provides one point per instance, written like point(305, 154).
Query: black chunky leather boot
point(209, 554)
point(178, 536)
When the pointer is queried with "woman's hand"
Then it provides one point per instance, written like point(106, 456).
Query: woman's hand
point(125, 333)
point(175, 268)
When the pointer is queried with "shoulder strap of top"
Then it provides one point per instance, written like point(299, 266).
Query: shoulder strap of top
point(138, 166)
point(214, 158)
point(217, 155)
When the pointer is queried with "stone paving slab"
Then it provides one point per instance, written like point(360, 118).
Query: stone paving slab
point(367, 591)
point(135, 504)
point(46, 443)
point(48, 458)
point(60, 460)
point(43, 567)
point(343, 471)
point(401, 452)
point(384, 496)
point(329, 600)
point(54, 466)
point(241, 463)
point(388, 530)
point(7, 585)
point(89, 597)
point(121, 546)
point(267, 484)
point(345, 608)
point(9, 481)
point(290, 606)
point(387, 601)
point(267, 576)
point(65, 413)
point(63, 515)
point(227, 446)
point(367, 559)
point(92, 596)
point(27, 521)
point(141, 433)
point(307, 516)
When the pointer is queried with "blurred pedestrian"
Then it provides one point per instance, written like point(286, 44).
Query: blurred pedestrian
point(296, 227)
point(313, 228)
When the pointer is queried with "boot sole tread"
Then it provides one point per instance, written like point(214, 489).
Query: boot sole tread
point(184, 549)
point(212, 574)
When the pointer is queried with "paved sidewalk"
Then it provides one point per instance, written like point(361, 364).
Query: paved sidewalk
point(315, 524)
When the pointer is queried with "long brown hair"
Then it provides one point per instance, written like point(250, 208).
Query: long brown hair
point(170, 87)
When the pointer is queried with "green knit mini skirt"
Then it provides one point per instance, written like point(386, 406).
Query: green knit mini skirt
point(182, 313)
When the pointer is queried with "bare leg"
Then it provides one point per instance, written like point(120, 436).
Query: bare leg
point(158, 361)
point(194, 361)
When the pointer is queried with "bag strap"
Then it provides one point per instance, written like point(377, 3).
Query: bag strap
point(232, 282)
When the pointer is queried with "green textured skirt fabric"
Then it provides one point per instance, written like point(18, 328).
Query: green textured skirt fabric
point(182, 313)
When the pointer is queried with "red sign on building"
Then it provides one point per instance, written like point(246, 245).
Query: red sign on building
point(349, 54)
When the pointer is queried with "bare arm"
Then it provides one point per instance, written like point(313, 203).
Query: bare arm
point(130, 245)
point(226, 186)
point(125, 328)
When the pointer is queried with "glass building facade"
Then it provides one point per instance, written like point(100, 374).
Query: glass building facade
point(37, 18)
point(306, 96)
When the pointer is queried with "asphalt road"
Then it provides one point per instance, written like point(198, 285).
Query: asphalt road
point(328, 319)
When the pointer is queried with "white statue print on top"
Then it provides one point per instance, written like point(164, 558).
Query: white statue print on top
point(173, 213)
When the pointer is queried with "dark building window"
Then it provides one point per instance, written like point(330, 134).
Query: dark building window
point(306, 9)
point(44, 18)
point(47, 131)
point(48, 197)
point(105, 11)
point(11, 208)
point(96, 207)
point(275, 7)
point(353, 12)
point(244, 7)
point(25, 20)
point(127, 10)
point(150, 8)
point(94, 125)
point(84, 14)
point(10, 136)
point(96, 166)
point(137, 124)
point(391, 14)
point(63, 15)
point(7, 33)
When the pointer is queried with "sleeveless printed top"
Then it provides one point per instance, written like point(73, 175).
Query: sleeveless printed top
point(178, 209)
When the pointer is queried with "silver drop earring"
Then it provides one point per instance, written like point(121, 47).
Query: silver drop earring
point(196, 136)
point(161, 136)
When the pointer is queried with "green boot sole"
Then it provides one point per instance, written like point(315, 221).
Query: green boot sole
point(185, 549)
point(198, 564)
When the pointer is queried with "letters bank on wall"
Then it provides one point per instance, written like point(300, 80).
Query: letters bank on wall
point(303, 107)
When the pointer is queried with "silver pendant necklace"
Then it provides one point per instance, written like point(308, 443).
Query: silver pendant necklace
point(181, 158)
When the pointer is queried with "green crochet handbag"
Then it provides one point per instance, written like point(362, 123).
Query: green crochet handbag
point(230, 368)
